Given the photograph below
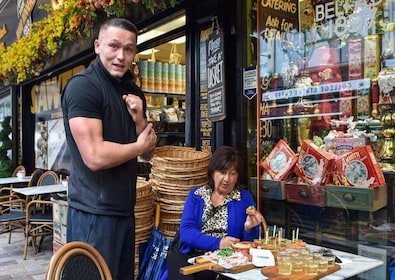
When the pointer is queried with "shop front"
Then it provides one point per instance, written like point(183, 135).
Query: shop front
point(247, 74)
point(325, 71)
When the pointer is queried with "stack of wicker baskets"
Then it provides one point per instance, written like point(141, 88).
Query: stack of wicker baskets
point(175, 170)
point(144, 213)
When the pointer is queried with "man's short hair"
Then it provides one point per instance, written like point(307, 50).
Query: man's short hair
point(121, 23)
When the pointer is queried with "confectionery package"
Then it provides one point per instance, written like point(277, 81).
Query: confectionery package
point(313, 164)
point(357, 168)
point(280, 163)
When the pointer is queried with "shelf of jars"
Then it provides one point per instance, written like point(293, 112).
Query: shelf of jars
point(164, 86)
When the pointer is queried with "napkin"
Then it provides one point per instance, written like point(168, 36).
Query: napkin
point(261, 257)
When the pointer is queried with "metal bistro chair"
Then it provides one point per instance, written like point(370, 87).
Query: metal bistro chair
point(39, 215)
point(77, 261)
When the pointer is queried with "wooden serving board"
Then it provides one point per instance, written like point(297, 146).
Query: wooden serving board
point(204, 264)
point(272, 273)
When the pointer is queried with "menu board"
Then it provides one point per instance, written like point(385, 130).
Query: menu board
point(215, 76)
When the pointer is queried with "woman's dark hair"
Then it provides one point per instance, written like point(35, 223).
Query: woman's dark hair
point(224, 158)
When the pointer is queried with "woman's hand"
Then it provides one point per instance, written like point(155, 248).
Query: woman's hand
point(227, 242)
point(253, 219)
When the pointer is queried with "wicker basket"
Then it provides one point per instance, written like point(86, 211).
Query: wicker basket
point(186, 185)
point(185, 174)
point(179, 181)
point(143, 188)
point(179, 157)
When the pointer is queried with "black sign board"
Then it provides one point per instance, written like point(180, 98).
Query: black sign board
point(215, 77)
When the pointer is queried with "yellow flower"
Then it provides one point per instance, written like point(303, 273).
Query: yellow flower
point(69, 21)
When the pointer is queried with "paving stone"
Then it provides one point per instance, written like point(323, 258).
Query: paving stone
point(12, 264)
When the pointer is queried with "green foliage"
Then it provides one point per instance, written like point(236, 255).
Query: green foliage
point(5, 145)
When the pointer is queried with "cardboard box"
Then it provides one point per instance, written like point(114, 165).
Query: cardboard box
point(357, 198)
point(59, 210)
point(271, 189)
point(280, 162)
point(305, 194)
point(314, 164)
point(59, 233)
point(358, 168)
point(56, 246)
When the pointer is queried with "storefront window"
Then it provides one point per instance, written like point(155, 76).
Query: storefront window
point(326, 89)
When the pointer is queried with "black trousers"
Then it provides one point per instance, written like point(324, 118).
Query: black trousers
point(176, 260)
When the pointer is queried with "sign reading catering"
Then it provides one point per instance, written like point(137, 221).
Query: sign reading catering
point(278, 17)
point(215, 76)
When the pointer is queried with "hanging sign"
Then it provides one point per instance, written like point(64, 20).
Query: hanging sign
point(215, 75)
point(249, 82)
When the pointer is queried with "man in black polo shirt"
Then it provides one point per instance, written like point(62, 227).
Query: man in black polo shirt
point(106, 130)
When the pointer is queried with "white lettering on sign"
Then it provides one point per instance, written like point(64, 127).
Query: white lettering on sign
point(215, 102)
point(214, 75)
point(333, 20)
point(213, 46)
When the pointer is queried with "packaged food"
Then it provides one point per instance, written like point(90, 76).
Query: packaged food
point(314, 164)
point(280, 162)
point(358, 168)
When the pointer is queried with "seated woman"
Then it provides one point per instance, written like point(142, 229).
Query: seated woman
point(214, 215)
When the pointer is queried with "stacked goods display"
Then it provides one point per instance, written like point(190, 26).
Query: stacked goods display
point(162, 77)
point(175, 171)
point(144, 213)
point(347, 176)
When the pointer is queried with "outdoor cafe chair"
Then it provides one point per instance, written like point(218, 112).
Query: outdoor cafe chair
point(38, 223)
point(12, 213)
point(39, 214)
point(19, 167)
point(77, 261)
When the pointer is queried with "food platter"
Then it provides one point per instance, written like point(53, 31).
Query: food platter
point(202, 263)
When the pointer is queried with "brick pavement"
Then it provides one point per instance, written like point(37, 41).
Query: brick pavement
point(12, 264)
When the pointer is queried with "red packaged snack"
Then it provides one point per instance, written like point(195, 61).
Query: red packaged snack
point(358, 168)
point(281, 161)
point(313, 164)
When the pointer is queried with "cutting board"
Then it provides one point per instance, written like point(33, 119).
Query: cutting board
point(272, 273)
point(205, 264)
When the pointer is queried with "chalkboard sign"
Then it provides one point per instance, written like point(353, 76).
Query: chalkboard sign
point(215, 77)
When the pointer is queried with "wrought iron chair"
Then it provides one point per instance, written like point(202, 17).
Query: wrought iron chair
point(77, 261)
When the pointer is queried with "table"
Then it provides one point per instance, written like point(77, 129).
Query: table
point(14, 180)
point(45, 189)
point(352, 265)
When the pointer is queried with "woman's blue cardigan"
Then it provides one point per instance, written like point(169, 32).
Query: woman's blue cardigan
point(191, 236)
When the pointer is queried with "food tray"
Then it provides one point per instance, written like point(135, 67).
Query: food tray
point(204, 264)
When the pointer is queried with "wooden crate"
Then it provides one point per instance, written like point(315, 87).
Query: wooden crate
point(363, 199)
point(305, 194)
point(271, 189)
